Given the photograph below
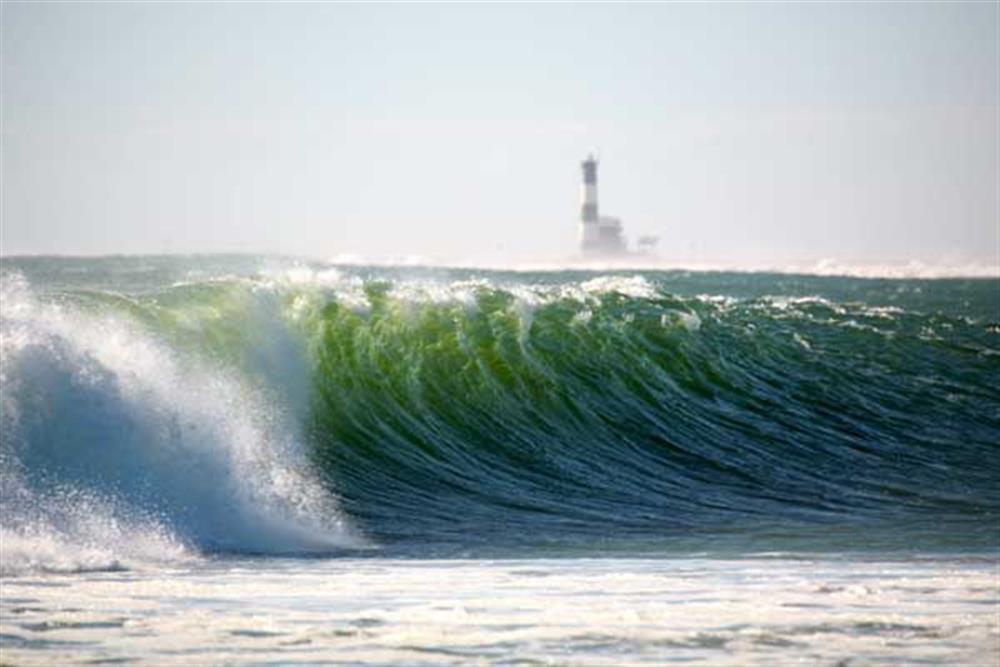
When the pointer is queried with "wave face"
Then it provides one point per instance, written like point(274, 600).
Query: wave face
point(267, 406)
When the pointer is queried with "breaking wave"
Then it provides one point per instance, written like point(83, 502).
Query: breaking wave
point(120, 448)
point(166, 409)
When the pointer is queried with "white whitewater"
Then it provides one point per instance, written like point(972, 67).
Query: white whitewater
point(152, 456)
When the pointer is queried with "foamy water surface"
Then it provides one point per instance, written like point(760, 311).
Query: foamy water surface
point(749, 611)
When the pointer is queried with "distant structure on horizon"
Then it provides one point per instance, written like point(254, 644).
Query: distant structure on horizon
point(602, 236)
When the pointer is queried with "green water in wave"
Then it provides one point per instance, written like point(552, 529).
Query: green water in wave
point(474, 407)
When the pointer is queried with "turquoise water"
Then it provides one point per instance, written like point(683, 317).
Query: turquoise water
point(183, 419)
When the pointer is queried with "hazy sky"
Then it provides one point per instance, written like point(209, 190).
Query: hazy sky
point(738, 133)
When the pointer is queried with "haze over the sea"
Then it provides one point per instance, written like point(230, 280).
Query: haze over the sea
point(802, 136)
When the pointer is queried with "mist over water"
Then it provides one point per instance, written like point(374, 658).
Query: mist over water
point(946, 267)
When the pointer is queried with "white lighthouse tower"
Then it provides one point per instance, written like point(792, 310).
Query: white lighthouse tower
point(599, 237)
point(588, 207)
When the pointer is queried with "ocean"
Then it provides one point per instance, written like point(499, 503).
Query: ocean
point(252, 460)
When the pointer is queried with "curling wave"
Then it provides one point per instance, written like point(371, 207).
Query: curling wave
point(221, 406)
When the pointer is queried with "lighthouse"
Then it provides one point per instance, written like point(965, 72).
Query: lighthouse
point(588, 206)
point(599, 237)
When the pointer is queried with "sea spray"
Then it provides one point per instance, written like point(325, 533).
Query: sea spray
point(162, 446)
